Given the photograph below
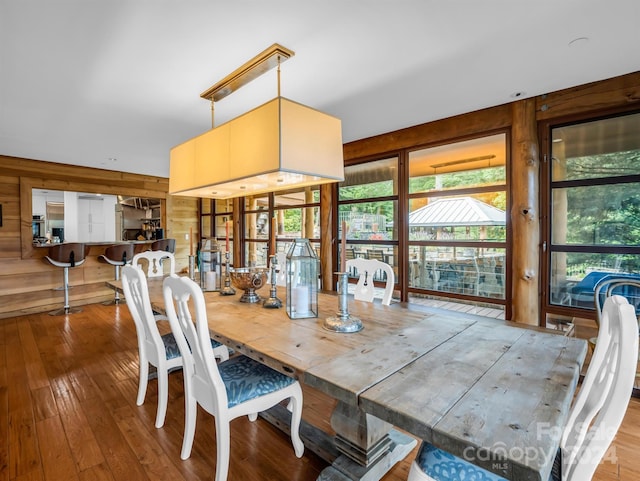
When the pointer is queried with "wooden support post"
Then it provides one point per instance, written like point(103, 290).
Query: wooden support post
point(308, 214)
point(327, 240)
point(525, 219)
point(236, 234)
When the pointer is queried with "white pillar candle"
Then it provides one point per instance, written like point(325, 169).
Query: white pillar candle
point(210, 280)
point(301, 299)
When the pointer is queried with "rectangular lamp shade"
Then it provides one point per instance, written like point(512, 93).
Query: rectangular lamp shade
point(279, 145)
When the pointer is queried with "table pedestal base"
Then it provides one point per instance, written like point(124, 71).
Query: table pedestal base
point(348, 461)
point(344, 469)
point(364, 457)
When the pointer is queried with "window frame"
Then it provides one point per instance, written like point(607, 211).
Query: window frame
point(550, 311)
point(453, 192)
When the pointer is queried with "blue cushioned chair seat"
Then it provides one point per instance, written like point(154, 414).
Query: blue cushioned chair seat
point(171, 346)
point(246, 379)
point(444, 466)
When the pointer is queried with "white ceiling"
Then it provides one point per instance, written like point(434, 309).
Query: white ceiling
point(115, 84)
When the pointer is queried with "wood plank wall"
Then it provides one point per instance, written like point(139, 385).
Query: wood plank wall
point(27, 280)
point(183, 214)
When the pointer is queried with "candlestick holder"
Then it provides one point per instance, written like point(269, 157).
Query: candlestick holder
point(343, 321)
point(227, 290)
point(192, 267)
point(273, 302)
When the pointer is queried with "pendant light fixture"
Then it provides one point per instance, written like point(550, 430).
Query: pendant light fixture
point(279, 145)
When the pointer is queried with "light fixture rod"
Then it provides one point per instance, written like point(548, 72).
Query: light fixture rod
point(251, 70)
point(278, 75)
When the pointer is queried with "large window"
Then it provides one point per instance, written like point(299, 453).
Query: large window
point(216, 217)
point(293, 214)
point(257, 227)
point(298, 216)
point(368, 208)
point(594, 208)
point(457, 234)
point(449, 238)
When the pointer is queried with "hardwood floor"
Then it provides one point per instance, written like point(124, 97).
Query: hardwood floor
point(67, 412)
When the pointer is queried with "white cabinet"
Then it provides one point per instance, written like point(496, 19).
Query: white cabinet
point(91, 226)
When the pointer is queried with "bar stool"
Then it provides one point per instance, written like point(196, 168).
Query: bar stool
point(168, 245)
point(117, 255)
point(66, 256)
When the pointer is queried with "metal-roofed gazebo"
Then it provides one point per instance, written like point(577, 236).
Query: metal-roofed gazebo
point(456, 212)
point(438, 266)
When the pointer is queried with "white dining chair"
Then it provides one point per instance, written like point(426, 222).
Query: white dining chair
point(365, 289)
point(595, 416)
point(158, 350)
point(153, 263)
point(237, 387)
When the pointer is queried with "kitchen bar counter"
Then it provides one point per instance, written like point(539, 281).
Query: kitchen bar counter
point(87, 280)
point(106, 244)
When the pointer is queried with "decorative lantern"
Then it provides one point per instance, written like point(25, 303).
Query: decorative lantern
point(210, 275)
point(302, 280)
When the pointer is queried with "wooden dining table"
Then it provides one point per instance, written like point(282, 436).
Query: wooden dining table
point(486, 390)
